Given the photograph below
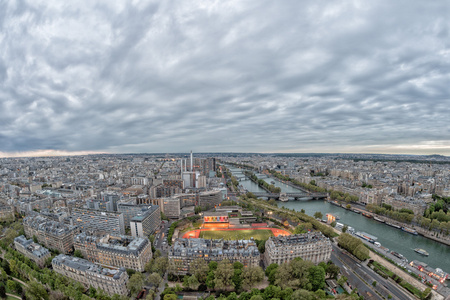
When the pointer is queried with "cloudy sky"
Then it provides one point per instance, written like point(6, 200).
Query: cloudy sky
point(219, 76)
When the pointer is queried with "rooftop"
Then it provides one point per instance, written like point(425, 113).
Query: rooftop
point(88, 267)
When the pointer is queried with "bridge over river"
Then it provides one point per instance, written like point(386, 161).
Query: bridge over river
point(296, 196)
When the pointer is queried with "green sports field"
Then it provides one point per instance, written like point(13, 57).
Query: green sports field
point(262, 234)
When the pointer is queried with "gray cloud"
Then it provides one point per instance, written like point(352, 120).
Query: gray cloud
point(259, 76)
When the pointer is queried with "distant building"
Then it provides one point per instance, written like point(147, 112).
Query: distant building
point(146, 222)
point(111, 280)
point(313, 246)
point(130, 210)
point(184, 251)
point(51, 234)
point(101, 222)
point(117, 251)
point(210, 198)
point(171, 207)
point(33, 251)
point(6, 211)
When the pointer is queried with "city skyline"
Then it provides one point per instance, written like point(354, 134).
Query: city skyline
point(260, 77)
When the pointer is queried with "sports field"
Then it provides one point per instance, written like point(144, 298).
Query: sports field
point(261, 234)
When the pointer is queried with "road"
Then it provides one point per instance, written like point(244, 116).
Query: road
point(355, 271)
point(160, 238)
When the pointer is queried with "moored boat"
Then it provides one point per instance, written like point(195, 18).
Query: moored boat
point(397, 254)
point(356, 211)
point(367, 215)
point(421, 251)
point(409, 230)
point(393, 225)
point(365, 236)
point(378, 219)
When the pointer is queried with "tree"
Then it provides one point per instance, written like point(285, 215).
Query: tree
point(333, 271)
point(342, 280)
point(223, 275)
point(191, 282)
point(11, 285)
point(237, 279)
point(302, 295)
point(170, 297)
point(333, 224)
point(157, 254)
point(199, 268)
point(160, 265)
point(135, 283)
point(2, 292)
point(35, 239)
point(317, 277)
point(5, 267)
point(348, 206)
point(36, 291)
point(318, 215)
point(154, 279)
point(374, 283)
point(345, 228)
point(78, 253)
point(252, 276)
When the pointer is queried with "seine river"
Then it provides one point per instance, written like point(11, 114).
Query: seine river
point(392, 238)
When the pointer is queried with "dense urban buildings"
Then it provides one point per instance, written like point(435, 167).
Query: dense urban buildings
point(33, 251)
point(117, 251)
point(184, 251)
point(313, 246)
point(51, 234)
point(109, 279)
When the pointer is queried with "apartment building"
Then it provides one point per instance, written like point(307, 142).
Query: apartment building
point(312, 246)
point(210, 198)
point(118, 251)
point(51, 234)
point(171, 207)
point(33, 251)
point(146, 222)
point(130, 210)
point(100, 222)
point(184, 251)
point(111, 280)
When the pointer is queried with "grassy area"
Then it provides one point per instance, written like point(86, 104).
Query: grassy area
point(237, 234)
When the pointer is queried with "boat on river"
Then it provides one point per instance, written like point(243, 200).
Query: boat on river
point(356, 211)
point(367, 215)
point(365, 236)
point(409, 230)
point(397, 255)
point(393, 225)
point(421, 251)
point(284, 197)
point(378, 219)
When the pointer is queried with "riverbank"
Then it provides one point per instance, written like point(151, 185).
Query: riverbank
point(421, 231)
point(445, 240)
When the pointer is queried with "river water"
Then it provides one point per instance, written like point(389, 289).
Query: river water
point(392, 238)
